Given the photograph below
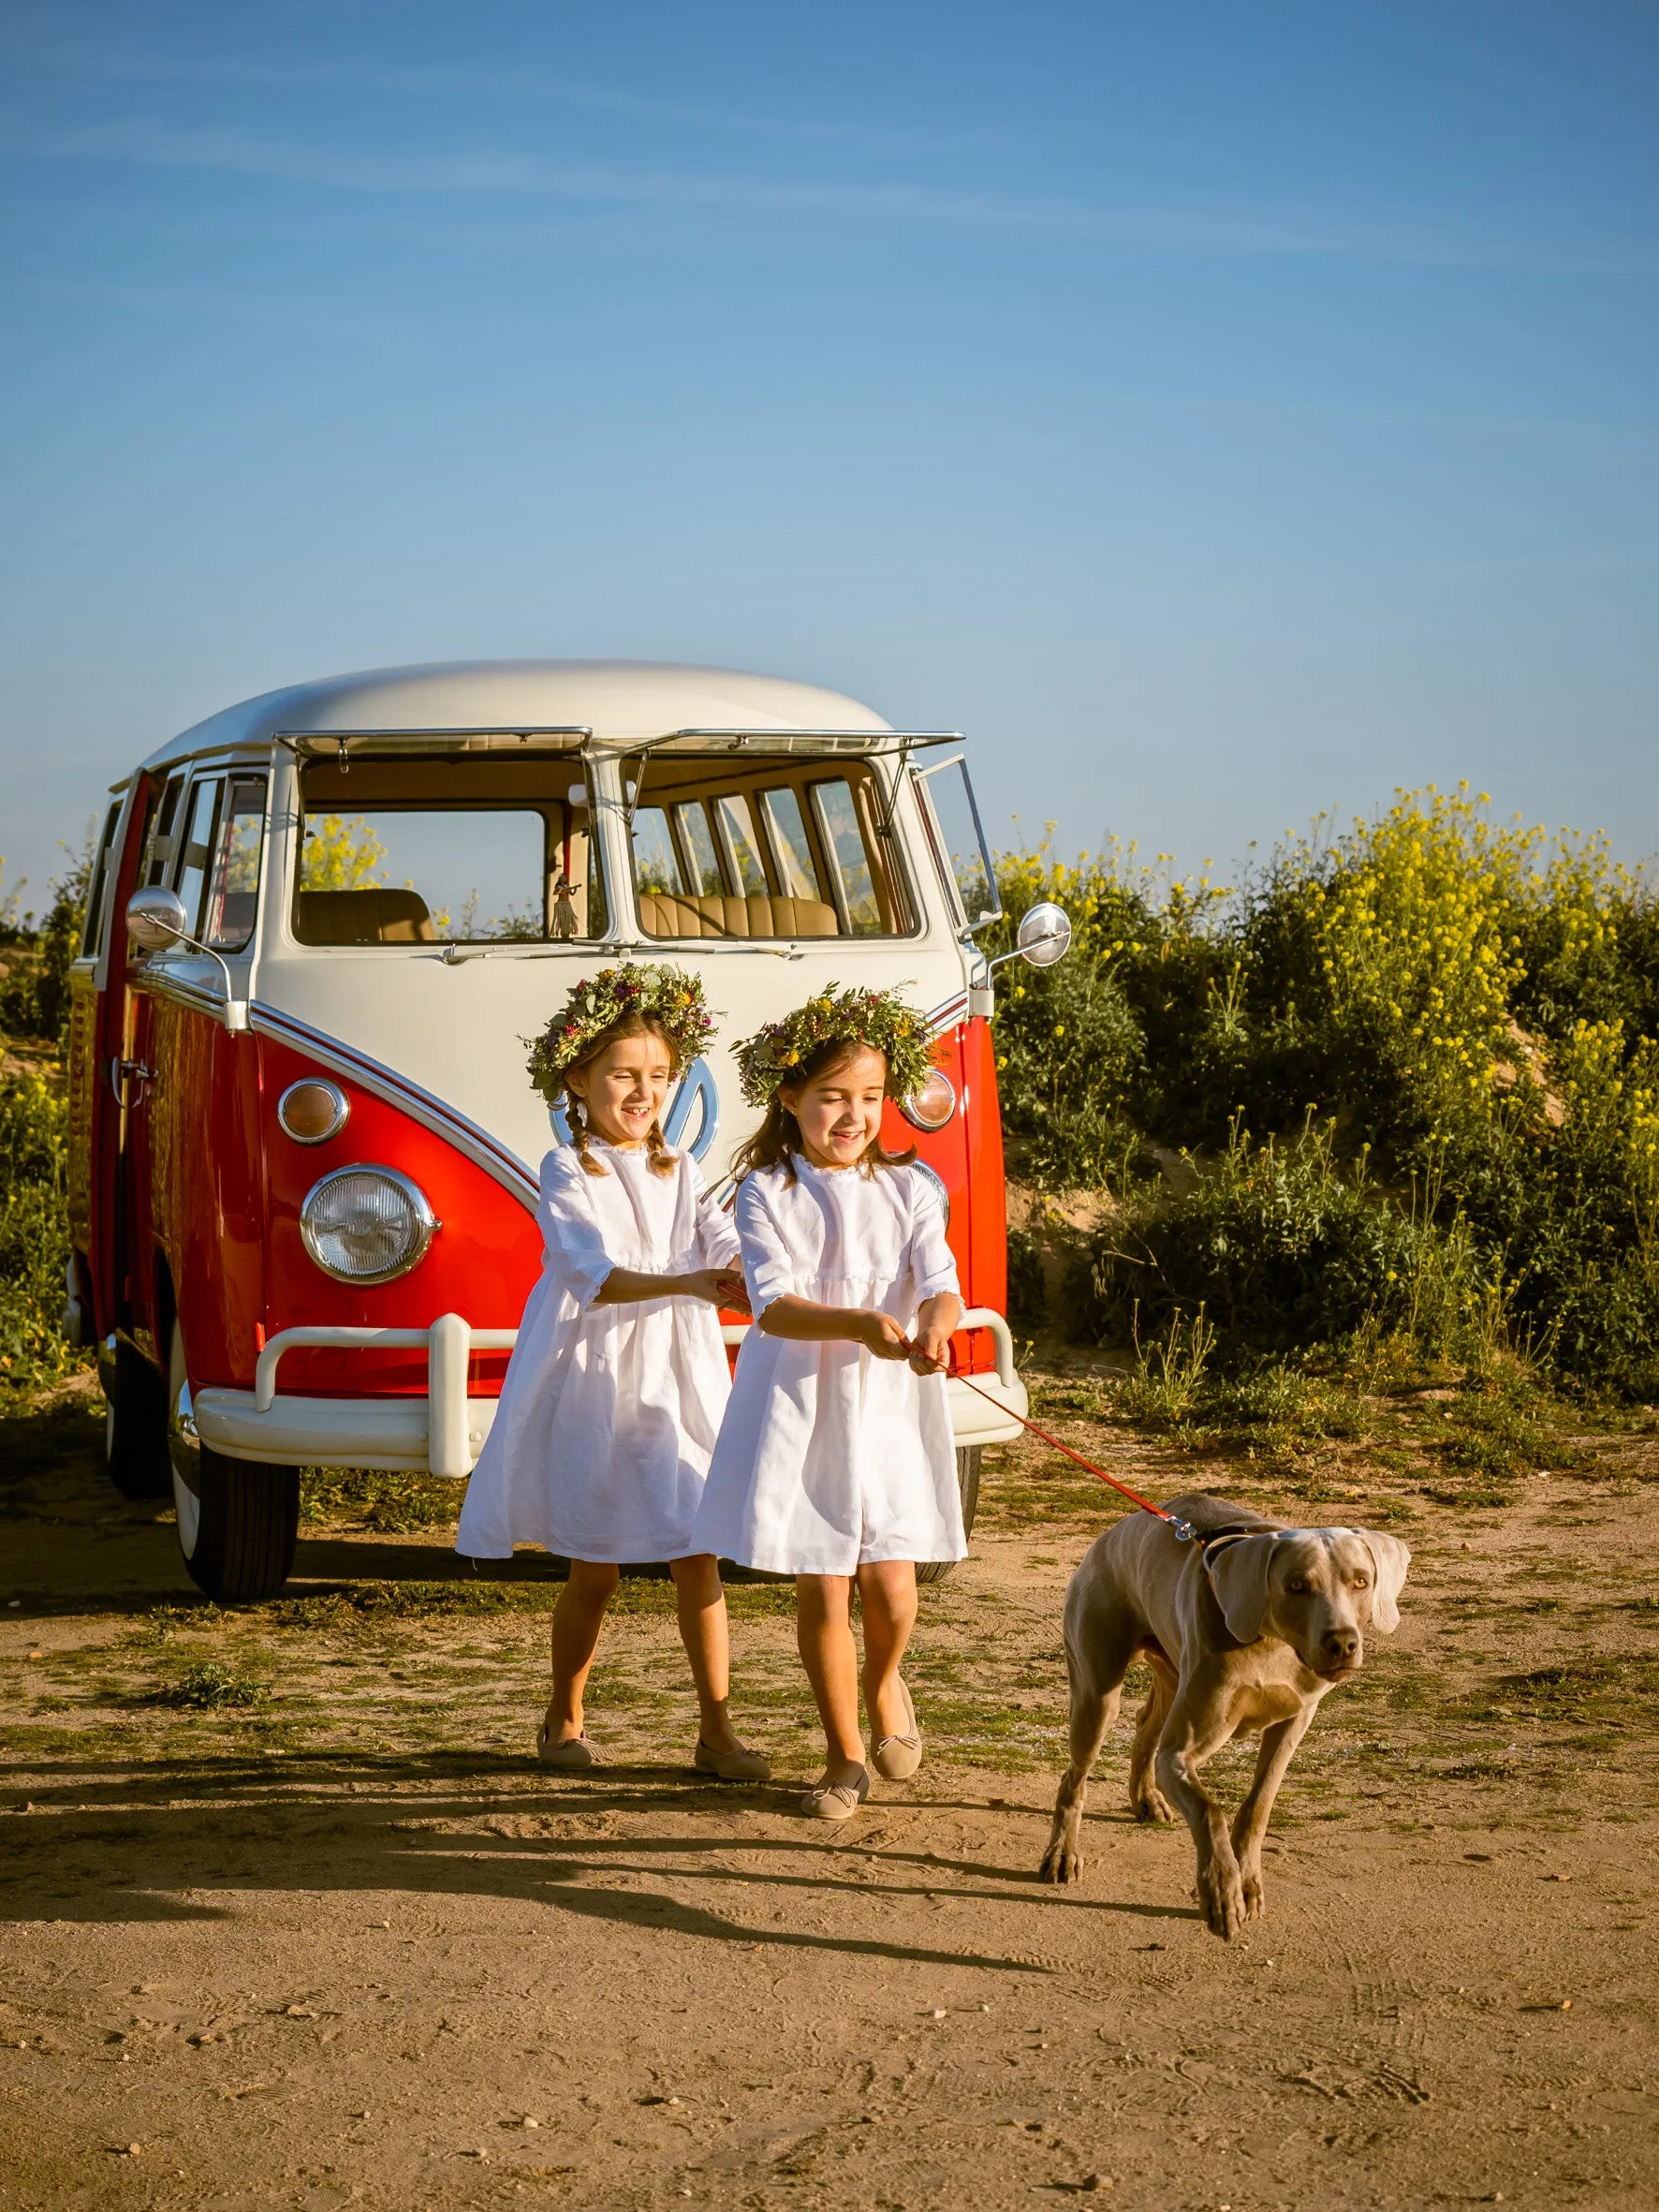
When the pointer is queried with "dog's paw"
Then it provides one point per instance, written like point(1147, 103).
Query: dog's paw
point(1255, 1903)
point(1060, 1864)
point(1221, 1899)
point(1152, 1805)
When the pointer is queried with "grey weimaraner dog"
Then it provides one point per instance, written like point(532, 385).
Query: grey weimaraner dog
point(1245, 1628)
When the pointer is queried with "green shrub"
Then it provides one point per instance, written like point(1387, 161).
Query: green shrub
point(33, 1139)
point(34, 1232)
point(1278, 1245)
point(211, 1686)
point(35, 988)
point(1446, 1032)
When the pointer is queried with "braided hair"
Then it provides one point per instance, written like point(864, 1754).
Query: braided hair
point(660, 1160)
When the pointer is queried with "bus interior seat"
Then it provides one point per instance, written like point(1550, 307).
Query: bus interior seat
point(663, 914)
point(361, 917)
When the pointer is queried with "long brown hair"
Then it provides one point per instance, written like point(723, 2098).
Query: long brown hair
point(661, 1161)
point(778, 1138)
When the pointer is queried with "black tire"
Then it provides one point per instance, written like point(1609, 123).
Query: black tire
point(239, 1520)
point(968, 1457)
point(135, 1423)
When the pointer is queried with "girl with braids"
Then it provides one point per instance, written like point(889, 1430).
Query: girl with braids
point(837, 1459)
point(614, 1393)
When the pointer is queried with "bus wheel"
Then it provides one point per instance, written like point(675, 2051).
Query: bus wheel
point(135, 1422)
point(967, 1479)
point(237, 1519)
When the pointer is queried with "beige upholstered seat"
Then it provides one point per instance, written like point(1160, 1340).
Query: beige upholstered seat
point(361, 917)
point(661, 914)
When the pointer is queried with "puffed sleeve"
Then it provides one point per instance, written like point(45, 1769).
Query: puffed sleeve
point(717, 1240)
point(768, 1268)
point(933, 1269)
point(573, 1250)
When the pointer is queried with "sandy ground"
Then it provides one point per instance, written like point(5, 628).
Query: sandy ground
point(343, 1943)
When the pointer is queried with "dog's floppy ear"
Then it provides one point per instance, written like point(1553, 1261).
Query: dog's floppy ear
point(1238, 1576)
point(1390, 1558)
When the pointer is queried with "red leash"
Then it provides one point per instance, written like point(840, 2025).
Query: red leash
point(1184, 1530)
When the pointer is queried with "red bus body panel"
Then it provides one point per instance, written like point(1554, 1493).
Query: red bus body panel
point(214, 1188)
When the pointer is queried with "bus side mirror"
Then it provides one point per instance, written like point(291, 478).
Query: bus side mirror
point(155, 917)
point(1044, 935)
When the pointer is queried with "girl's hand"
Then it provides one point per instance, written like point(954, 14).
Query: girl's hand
point(935, 1324)
point(878, 1333)
point(930, 1353)
point(716, 1286)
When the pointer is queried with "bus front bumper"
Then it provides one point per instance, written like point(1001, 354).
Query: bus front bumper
point(444, 1432)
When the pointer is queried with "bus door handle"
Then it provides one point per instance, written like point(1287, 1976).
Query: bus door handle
point(124, 1071)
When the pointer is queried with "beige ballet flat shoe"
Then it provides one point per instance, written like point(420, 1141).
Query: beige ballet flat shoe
point(741, 1765)
point(573, 1756)
point(897, 1757)
point(836, 1801)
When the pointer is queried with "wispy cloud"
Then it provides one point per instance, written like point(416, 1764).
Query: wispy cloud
point(232, 151)
point(428, 80)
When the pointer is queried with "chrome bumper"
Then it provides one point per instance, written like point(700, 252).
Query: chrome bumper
point(443, 1433)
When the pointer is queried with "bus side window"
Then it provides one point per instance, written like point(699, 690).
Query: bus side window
point(798, 872)
point(196, 849)
point(696, 841)
point(160, 849)
point(741, 844)
point(656, 864)
point(849, 857)
point(233, 884)
point(93, 931)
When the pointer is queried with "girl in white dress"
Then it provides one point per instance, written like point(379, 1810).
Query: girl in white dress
point(836, 1458)
point(613, 1396)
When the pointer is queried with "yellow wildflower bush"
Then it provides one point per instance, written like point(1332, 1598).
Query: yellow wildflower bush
point(1465, 1009)
point(1411, 923)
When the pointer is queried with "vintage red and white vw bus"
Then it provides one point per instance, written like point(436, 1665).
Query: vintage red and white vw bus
point(321, 926)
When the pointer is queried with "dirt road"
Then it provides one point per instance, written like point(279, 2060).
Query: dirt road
point(291, 1919)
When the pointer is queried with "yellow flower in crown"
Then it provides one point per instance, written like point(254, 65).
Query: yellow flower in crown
point(879, 1018)
point(649, 989)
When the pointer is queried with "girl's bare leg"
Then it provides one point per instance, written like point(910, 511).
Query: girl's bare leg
point(887, 1592)
point(708, 1645)
point(577, 1618)
point(823, 1629)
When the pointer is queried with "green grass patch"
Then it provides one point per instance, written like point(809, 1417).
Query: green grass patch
point(211, 1686)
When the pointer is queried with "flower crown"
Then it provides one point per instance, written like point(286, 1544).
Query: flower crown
point(650, 990)
point(879, 1018)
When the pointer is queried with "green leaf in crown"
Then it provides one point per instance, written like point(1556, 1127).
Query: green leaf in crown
point(649, 989)
point(879, 1018)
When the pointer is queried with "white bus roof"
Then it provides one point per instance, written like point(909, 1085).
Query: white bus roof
point(619, 700)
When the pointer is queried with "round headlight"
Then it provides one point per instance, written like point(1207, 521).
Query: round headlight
point(930, 1105)
point(920, 1167)
point(367, 1224)
point(312, 1111)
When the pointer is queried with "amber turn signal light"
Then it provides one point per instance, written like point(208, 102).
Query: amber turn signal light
point(313, 1110)
point(933, 1102)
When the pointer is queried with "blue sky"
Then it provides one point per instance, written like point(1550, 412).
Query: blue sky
point(1222, 412)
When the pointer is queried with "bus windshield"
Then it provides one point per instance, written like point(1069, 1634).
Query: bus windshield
point(400, 851)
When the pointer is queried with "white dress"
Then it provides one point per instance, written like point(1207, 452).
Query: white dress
point(830, 1458)
point(607, 1413)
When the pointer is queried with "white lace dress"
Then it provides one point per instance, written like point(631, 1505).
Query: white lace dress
point(829, 1458)
point(608, 1413)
